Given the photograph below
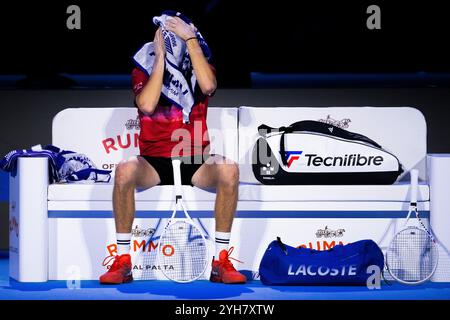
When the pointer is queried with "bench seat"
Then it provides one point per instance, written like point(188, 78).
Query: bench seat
point(247, 192)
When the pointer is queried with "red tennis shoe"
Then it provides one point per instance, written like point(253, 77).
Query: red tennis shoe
point(120, 270)
point(224, 271)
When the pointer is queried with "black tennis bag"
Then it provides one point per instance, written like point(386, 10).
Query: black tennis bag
point(313, 152)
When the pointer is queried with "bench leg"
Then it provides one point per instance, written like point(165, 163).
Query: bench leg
point(439, 177)
point(28, 221)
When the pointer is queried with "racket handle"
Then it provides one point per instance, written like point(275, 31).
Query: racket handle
point(176, 164)
point(414, 184)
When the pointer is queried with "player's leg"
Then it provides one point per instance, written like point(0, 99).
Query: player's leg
point(222, 174)
point(133, 173)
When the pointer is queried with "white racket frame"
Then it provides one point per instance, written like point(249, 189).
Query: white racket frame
point(414, 173)
point(179, 206)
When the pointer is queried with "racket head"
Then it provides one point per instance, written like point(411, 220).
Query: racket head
point(182, 251)
point(412, 256)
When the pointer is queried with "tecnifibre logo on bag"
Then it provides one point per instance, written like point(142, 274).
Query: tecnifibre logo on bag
point(292, 156)
point(348, 160)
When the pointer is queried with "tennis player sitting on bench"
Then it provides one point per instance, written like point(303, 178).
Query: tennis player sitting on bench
point(158, 120)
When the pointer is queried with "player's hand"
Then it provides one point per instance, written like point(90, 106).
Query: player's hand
point(158, 42)
point(180, 28)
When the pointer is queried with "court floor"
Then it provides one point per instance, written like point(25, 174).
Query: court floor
point(166, 290)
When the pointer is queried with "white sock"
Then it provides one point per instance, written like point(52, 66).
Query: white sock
point(123, 243)
point(222, 242)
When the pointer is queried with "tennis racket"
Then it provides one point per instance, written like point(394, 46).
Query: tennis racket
point(182, 249)
point(412, 256)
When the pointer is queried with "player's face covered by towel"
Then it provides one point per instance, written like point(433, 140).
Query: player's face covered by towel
point(179, 79)
point(175, 46)
point(169, 21)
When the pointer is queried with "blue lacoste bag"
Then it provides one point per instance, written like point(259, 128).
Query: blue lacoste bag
point(340, 265)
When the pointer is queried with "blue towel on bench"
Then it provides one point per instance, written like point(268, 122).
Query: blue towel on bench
point(64, 165)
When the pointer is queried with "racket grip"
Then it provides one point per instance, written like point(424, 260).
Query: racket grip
point(414, 184)
point(176, 165)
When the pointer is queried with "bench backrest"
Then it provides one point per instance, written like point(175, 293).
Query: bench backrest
point(109, 135)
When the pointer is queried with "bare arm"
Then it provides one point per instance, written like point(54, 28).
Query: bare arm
point(206, 78)
point(148, 99)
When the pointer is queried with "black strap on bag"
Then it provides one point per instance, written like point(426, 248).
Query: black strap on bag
point(264, 130)
point(283, 147)
point(331, 130)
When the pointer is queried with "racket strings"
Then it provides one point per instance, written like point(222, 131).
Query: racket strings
point(412, 256)
point(183, 252)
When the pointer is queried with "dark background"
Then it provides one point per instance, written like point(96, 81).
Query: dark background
point(245, 36)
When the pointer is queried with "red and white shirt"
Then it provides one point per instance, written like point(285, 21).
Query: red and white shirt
point(155, 138)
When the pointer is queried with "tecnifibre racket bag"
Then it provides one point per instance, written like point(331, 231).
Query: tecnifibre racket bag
point(341, 265)
point(313, 152)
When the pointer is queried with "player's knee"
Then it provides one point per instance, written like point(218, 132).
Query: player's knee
point(124, 174)
point(229, 175)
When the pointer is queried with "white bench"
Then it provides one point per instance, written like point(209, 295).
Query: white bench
point(67, 230)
